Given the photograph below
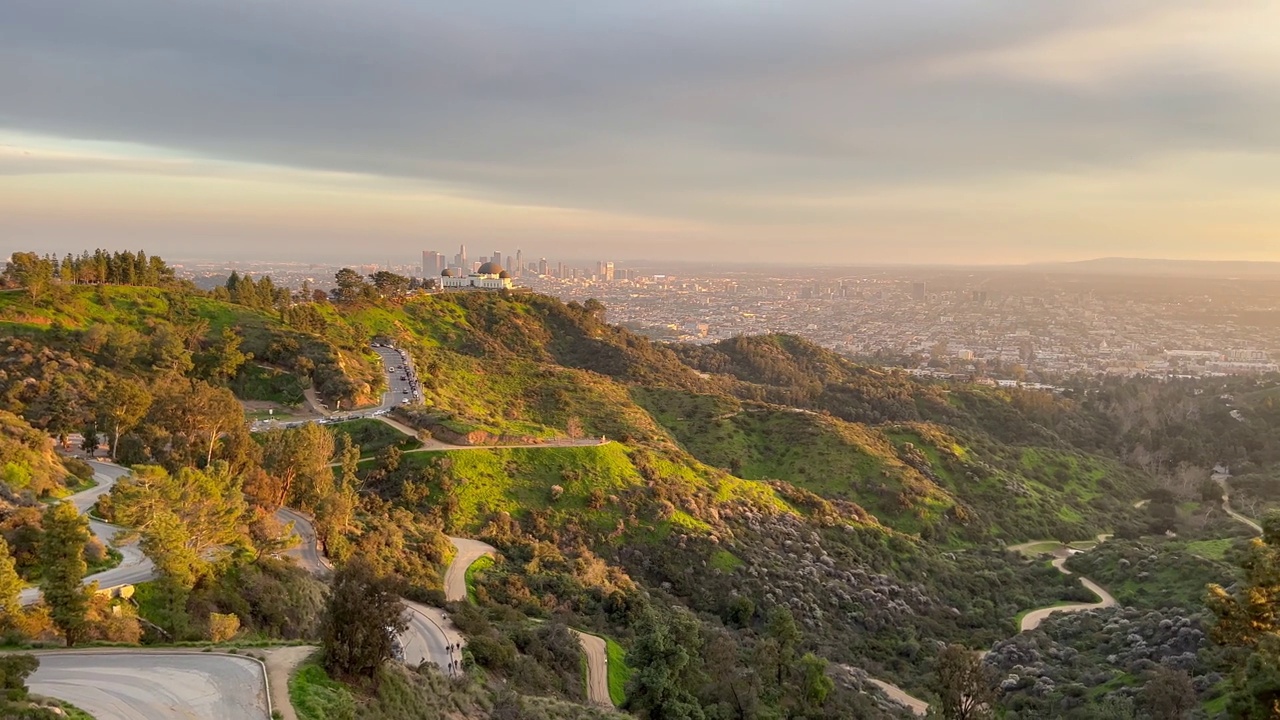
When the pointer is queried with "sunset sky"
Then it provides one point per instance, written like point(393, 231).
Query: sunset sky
point(763, 131)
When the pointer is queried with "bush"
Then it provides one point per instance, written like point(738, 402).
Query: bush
point(78, 468)
point(223, 627)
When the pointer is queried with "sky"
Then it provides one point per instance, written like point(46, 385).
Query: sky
point(762, 131)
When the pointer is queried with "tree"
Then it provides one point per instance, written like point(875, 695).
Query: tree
point(57, 409)
point(362, 619)
point(389, 284)
point(270, 536)
point(350, 285)
point(1169, 695)
point(298, 459)
point(1248, 614)
point(10, 587)
point(168, 350)
point(196, 411)
point(28, 270)
point(966, 686)
point(166, 541)
point(208, 505)
point(122, 404)
point(62, 561)
point(335, 509)
point(1256, 691)
point(1247, 619)
point(816, 684)
point(224, 359)
point(782, 631)
point(663, 657)
point(14, 671)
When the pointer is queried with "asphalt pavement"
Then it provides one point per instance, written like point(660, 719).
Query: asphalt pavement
point(307, 553)
point(597, 654)
point(144, 685)
point(430, 637)
point(134, 567)
point(455, 577)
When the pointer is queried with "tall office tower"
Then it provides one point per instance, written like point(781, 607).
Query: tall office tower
point(919, 291)
point(462, 257)
point(600, 268)
point(432, 263)
point(511, 265)
point(542, 266)
point(607, 271)
point(497, 258)
point(560, 269)
point(519, 262)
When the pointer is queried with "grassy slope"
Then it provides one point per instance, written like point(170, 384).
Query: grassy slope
point(372, 436)
point(529, 366)
point(519, 481)
point(911, 476)
point(28, 462)
point(82, 307)
point(619, 671)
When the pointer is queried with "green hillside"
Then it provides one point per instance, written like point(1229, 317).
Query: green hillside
point(915, 477)
point(742, 488)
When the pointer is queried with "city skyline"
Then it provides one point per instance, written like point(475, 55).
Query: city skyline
point(989, 133)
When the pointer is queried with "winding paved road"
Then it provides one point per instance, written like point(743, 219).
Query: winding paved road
point(430, 633)
point(455, 577)
point(145, 684)
point(597, 653)
point(134, 567)
point(307, 553)
point(430, 637)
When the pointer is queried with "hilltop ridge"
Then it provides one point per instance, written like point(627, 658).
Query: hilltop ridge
point(748, 482)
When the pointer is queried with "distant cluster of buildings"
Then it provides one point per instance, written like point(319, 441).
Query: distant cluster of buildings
point(497, 272)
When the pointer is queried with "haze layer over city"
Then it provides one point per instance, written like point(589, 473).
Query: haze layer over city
point(658, 360)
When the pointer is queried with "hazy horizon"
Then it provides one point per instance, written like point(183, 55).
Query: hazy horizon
point(932, 133)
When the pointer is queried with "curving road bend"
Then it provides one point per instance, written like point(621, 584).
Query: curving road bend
point(455, 576)
point(431, 637)
point(1221, 479)
point(430, 633)
point(307, 552)
point(143, 685)
point(134, 567)
point(1032, 620)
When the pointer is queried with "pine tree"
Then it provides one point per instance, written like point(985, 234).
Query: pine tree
point(63, 566)
point(362, 619)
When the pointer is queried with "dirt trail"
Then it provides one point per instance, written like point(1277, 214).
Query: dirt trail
point(917, 706)
point(281, 662)
point(1032, 620)
point(1221, 479)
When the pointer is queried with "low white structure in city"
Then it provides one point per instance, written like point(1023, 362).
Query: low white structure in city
point(489, 276)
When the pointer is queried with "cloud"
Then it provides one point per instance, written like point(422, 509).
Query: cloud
point(696, 111)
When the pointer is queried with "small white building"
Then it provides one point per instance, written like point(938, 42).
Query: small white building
point(489, 276)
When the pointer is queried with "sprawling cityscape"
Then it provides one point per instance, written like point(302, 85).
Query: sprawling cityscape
point(1022, 324)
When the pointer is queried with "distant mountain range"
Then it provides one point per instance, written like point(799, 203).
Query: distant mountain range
point(1171, 268)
